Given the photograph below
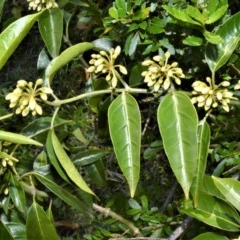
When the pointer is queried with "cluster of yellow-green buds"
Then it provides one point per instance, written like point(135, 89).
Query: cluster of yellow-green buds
point(104, 63)
point(25, 97)
point(41, 4)
point(211, 96)
point(161, 74)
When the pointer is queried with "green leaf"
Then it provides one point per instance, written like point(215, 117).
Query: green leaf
point(210, 235)
point(193, 41)
point(38, 225)
point(217, 55)
point(180, 15)
point(217, 14)
point(131, 44)
point(51, 29)
point(4, 232)
point(96, 172)
point(12, 36)
point(135, 77)
point(17, 138)
point(203, 146)
point(1, 8)
point(42, 125)
point(230, 188)
point(88, 157)
point(18, 230)
point(113, 12)
point(212, 37)
point(194, 13)
point(77, 133)
point(178, 123)
point(17, 194)
point(68, 165)
point(66, 196)
point(65, 57)
point(122, 8)
point(53, 158)
point(215, 213)
point(125, 131)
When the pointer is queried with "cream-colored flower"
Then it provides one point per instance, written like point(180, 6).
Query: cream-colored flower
point(41, 4)
point(25, 97)
point(161, 74)
point(104, 63)
point(210, 97)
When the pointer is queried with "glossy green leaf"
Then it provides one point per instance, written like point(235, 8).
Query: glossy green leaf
point(4, 232)
point(88, 157)
point(53, 158)
point(180, 15)
point(68, 165)
point(210, 235)
point(51, 29)
point(135, 78)
point(12, 36)
point(38, 225)
point(17, 230)
point(40, 161)
point(216, 15)
point(97, 173)
point(122, 8)
point(65, 57)
point(125, 131)
point(203, 146)
point(195, 13)
point(17, 138)
point(41, 125)
point(63, 194)
point(1, 8)
point(77, 133)
point(230, 188)
point(212, 37)
point(217, 55)
point(215, 212)
point(178, 123)
point(193, 41)
point(17, 194)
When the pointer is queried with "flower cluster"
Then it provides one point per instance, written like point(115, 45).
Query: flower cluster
point(211, 96)
point(160, 73)
point(104, 62)
point(41, 4)
point(25, 97)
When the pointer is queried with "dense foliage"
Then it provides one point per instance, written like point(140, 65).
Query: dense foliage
point(119, 119)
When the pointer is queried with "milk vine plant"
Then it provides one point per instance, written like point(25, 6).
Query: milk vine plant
point(186, 139)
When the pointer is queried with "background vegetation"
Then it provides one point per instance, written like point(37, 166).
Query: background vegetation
point(150, 151)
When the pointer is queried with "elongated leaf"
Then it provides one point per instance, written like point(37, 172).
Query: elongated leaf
point(230, 188)
point(96, 173)
point(68, 165)
point(41, 125)
point(203, 145)
point(51, 29)
point(217, 55)
point(4, 232)
point(66, 196)
point(65, 57)
point(38, 225)
point(215, 213)
point(11, 37)
point(125, 131)
point(180, 15)
point(17, 230)
point(210, 235)
point(17, 138)
point(1, 8)
point(178, 123)
point(17, 194)
point(53, 159)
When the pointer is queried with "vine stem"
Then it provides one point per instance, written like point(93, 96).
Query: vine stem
point(109, 212)
point(59, 102)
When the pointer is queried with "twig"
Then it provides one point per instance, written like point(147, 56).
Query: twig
point(170, 196)
point(109, 212)
point(179, 230)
